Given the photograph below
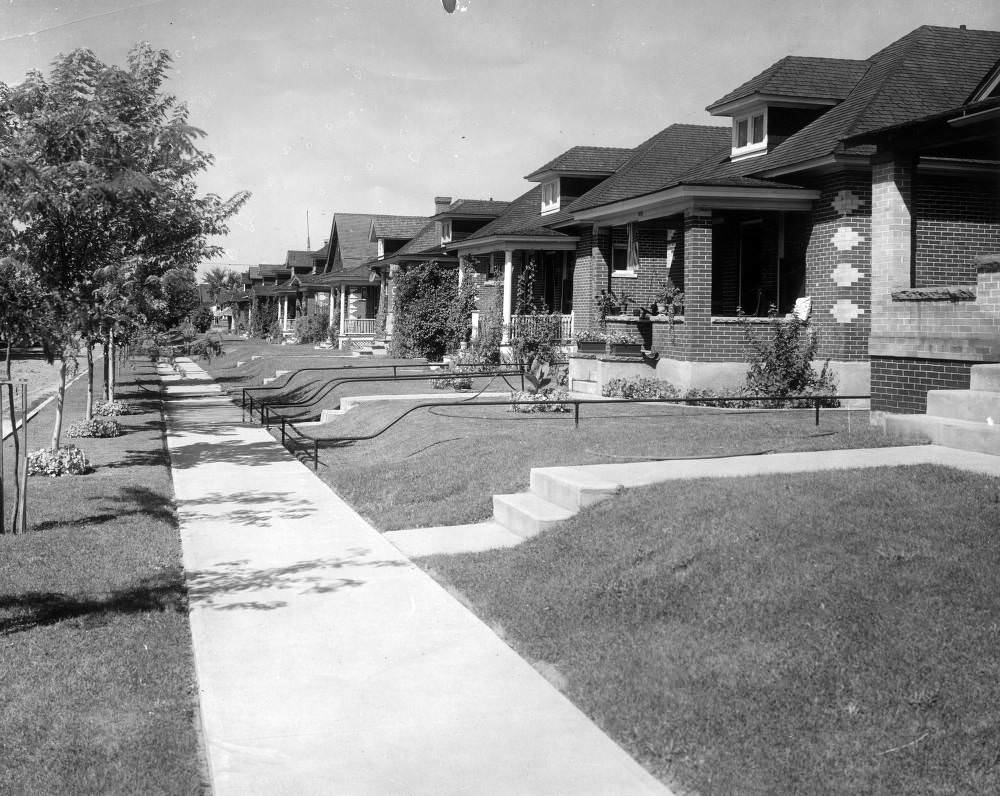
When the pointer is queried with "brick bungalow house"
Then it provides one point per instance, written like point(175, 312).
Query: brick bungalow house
point(536, 226)
point(782, 208)
point(452, 221)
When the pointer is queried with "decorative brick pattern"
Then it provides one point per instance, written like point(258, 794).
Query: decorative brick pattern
point(900, 384)
point(838, 265)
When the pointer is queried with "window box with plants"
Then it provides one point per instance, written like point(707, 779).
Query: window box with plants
point(624, 344)
point(588, 342)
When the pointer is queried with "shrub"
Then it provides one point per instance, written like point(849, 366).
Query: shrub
point(95, 427)
point(201, 319)
point(66, 460)
point(545, 395)
point(312, 328)
point(781, 360)
point(425, 297)
point(487, 345)
point(115, 409)
point(638, 388)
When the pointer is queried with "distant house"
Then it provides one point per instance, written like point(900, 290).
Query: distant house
point(778, 206)
point(536, 228)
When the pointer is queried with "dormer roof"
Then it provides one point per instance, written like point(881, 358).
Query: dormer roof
point(396, 227)
point(582, 161)
point(472, 208)
point(928, 71)
point(795, 80)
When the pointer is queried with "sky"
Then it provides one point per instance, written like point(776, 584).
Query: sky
point(378, 106)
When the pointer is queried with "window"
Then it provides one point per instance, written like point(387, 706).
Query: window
point(446, 231)
point(619, 259)
point(381, 248)
point(550, 196)
point(750, 134)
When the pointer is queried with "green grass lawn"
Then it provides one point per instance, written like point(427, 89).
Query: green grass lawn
point(827, 633)
point(97, 687)
point(442, 466)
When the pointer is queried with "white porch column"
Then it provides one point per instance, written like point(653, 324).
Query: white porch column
point(508, 290)
point(330, 323)
point(343, 309)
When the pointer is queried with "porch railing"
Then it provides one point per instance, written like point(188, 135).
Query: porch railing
point(359, 327)
point(522, 324)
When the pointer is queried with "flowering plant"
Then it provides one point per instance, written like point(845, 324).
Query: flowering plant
point(95, 427)
point(66, 460)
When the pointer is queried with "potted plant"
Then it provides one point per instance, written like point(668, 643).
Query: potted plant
point(624, 344)
point(588, 342)
point(669, 300)
point(624, 299)
point(606, 303)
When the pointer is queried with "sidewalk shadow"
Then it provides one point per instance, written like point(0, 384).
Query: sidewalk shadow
point(213, 587)
point(266, 503)
point(252, 454)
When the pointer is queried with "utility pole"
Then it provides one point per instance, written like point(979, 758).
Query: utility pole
point(309, 247)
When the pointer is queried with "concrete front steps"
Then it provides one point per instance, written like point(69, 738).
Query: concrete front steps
point(556, 494)
point(964, 419)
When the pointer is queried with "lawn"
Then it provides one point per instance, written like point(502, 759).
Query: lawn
point(461, 456)
point(826, 633)
point(97, 685)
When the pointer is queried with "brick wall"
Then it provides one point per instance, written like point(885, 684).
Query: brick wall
point(838, 266)
point(900, 384)
point(956, 219)
point(590, 275)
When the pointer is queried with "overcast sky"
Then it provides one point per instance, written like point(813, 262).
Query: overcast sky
point(379, 105)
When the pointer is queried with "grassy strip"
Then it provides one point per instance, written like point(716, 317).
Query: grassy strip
point(97, 687)
point(816, 633)
point(460, 457)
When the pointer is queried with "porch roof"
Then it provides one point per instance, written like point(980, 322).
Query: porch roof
point(520, 226)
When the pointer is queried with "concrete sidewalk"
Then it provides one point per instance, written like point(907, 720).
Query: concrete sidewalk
point(328, 663)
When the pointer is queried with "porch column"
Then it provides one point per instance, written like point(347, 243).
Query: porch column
point(892, 236)
point(508, 290)
point(697, 267)
point(281, 312)
point(330, 322)
point(343, 309)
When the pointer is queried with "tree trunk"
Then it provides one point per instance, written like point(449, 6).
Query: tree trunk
point(107, 370)
point(90, 379)
point(17, 446)
point(112, 365)
point(60, 400)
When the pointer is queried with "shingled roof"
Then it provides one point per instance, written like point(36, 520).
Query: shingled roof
point(585, 160)
point(474, 208)
point(397, 227)
point(350, 241)
point(521, 219)
point(798, 76)
point(927, 71)
point(658, 162)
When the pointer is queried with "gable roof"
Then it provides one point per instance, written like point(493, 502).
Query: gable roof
point(397, 227)
point(584, 160)
point(928, 71)
point(522, 218)
point(302, 259)
point(350, 242)
point(658, 162)
point(798, 76)
point(487, 208)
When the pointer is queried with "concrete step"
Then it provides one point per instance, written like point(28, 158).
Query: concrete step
point(977, 405)
point(526, 514)
point(571, 487)
point(586, 387)
point(278, 373)
point(985, 377)
point(949, 432)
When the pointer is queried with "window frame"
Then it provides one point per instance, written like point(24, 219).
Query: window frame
point(626, 272)
point(446, 231)
point(751, 147)
point(553, 190)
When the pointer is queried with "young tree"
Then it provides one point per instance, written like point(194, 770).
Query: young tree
point(97, 169)
point(219, 279)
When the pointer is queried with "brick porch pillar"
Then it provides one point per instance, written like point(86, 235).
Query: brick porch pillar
point(892, 236)
point(697, 268)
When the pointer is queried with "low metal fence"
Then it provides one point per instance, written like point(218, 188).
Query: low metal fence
point(313, 443)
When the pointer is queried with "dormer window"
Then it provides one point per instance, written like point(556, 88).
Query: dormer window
point(446, 231)
point(381, 248)
point(750, 134)
point(550, 196)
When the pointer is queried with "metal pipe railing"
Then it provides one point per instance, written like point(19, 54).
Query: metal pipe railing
point(816, 400)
